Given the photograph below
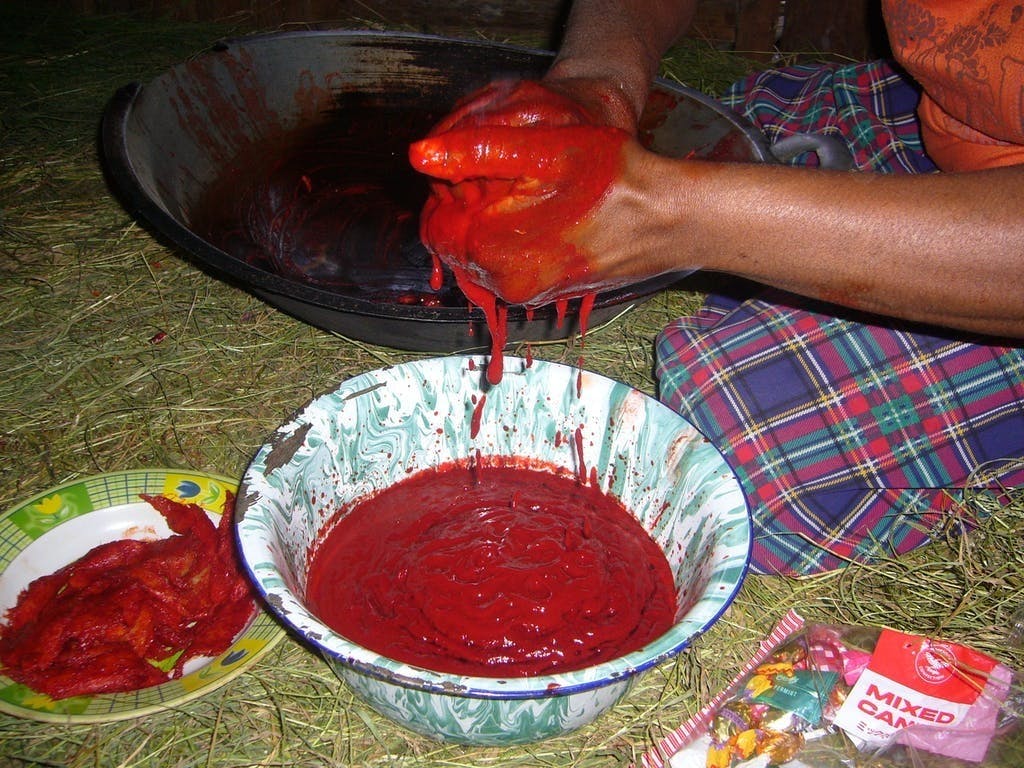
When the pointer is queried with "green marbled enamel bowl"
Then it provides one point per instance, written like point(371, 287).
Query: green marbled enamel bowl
point(378, 427)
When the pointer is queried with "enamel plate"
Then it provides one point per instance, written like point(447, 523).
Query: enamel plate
point(60, 525)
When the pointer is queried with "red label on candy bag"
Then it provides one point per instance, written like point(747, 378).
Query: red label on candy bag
point(914, 683)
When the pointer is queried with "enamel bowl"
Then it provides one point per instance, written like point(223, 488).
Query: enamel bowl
point(379, 427)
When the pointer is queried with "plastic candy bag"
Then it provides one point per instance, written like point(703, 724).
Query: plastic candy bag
point(827, 696)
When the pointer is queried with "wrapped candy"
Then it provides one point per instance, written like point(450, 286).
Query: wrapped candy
point(818, 696)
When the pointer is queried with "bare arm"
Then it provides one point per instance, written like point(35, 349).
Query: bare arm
point(939, 248)
point(946, 249)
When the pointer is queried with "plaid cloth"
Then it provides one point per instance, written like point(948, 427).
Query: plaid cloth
point(871, 106)
point(849, 435)
point(845, 435)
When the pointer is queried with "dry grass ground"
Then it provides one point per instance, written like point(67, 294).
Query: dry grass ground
point(116, 352)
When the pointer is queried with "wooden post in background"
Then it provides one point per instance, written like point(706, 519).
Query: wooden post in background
point(758, 26)
point(847, 28)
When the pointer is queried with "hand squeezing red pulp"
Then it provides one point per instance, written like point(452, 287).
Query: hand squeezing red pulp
point(515, 171)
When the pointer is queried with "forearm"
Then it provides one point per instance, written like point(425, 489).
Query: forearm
point(945, 248)
point(621, 41)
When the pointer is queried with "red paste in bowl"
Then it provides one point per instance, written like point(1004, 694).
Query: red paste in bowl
point(492, 571)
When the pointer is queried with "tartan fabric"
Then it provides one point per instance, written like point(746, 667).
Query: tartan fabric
point(845, 435)
point(850, 436)
point(871, 106)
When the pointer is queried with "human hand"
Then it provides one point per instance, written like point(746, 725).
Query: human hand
point(609, 97)
point(605, 102)
point(517, 170)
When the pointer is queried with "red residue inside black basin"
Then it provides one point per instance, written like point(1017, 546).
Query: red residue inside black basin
point(322, 221)
point(335, 205)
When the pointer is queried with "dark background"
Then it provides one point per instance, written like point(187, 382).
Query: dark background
point(760, 28)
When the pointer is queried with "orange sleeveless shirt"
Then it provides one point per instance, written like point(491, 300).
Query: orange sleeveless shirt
point(968, 57)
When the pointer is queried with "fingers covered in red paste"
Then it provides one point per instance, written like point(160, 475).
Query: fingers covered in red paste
point(516, 170)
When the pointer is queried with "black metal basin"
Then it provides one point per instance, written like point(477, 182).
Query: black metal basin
point(278, 163)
